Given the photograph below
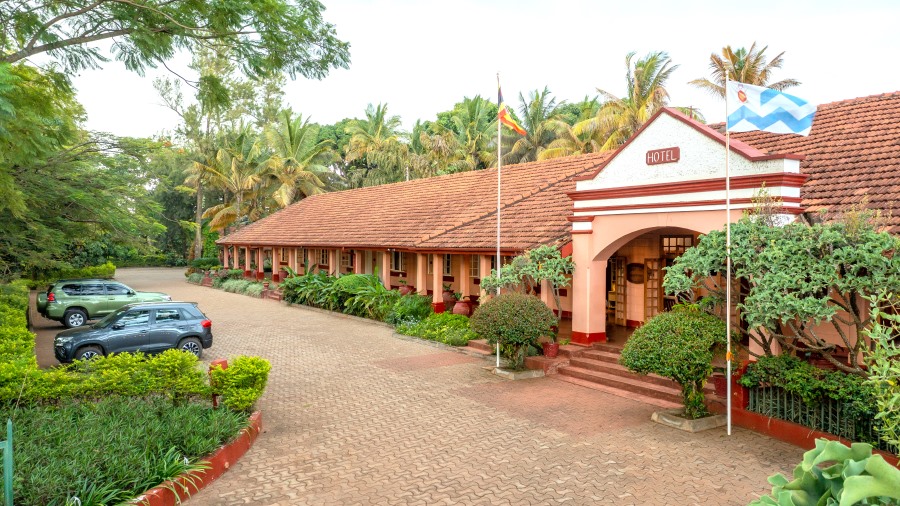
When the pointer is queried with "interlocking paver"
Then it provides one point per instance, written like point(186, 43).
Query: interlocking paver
point(355, 415)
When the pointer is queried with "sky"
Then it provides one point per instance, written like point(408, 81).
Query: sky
point(423, 56)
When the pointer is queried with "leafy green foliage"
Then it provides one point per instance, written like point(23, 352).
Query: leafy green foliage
point(678, 345)
point(834, 474)
point(205, 263)
point(798, 277)
point(242, 383)
point(883, 359)
point(447, 328)
point(514, 319)
point(409, 309)
point(83, 449)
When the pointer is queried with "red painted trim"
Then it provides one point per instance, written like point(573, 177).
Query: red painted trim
point(633, 324)
point(574, 219)
point(788, 179)
point(741, 148)
point(449, 279)
point(581, 232)
point(219, 462)
point(693, 203)
point(438, 307)
point(567, 249)
point(588, 338)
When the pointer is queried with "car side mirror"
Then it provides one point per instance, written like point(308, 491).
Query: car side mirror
point(132, 292)
point(118, 326)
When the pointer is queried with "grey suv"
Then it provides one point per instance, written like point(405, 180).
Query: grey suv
point(149, 327)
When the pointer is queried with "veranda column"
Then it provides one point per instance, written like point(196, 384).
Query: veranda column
point(588, 293)
point(334, 261)
point(358, 256)
point(386, 269)
point(463, 273)
point(547, 296)
point(276, 264)
point(484, 270)
point(437, 281)
point(225, 256)
point(246, 261)
point(260, 270)
point(422, 273)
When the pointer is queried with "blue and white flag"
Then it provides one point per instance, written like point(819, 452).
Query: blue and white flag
point(758, 108)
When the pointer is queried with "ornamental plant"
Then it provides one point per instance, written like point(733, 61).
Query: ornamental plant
point(242, 383)
point(797, 277)
point(679, 345)
point(883, 359)
point(515, 320)
point(835, 474)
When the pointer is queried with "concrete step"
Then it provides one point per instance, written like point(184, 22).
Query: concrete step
point(638, 386)
point(601, 356)
point(621, 370)
point(608, 347)
point(481, 346)
point(617, 392)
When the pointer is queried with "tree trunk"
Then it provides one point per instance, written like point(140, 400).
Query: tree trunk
point(198, 218)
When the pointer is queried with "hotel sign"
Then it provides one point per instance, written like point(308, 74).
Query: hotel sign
point(665, 155)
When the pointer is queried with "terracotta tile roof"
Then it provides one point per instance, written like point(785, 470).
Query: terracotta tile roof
point(456, 211)
point(853, 151)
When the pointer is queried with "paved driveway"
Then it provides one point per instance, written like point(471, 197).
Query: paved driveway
point(356, 415)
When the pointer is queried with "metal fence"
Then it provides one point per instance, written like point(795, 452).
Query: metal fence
point(827, 415)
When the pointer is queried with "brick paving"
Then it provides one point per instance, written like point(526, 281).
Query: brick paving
point(355, 415)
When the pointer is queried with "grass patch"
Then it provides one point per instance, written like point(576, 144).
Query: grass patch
point(110, 451)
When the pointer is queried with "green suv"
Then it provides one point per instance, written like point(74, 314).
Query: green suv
point(75, 301)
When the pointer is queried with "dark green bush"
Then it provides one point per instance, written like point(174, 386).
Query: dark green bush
point(205, 263)
point(678, 345)
point(40, 281)
point(195, 277)
point(447, 328)
point(409, 309)
point(111, 450)
point(514, 319)
point(242, 383)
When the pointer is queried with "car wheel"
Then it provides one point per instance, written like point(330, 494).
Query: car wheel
point(191, 345)
point(88, 353)
point(74, 318)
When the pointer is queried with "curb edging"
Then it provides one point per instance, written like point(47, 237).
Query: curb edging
point(172, 492)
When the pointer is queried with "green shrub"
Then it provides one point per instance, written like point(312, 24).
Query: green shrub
point(242, 383)
point(678, 345)
point(205, 263)
point(236, 285)
point(447, 328)
point(410, 308)
point(253, 289)
point(111, 450)
point(514, 319)
point(15, 296)
point(42, 279)
point(835, 474)
point(195, 277)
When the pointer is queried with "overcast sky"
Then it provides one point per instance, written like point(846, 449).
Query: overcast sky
point(422, 56)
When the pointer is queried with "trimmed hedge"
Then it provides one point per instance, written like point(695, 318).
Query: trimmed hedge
point(105, 271)
point(516, 320)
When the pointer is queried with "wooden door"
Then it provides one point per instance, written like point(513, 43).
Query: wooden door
point(652, 287)
point(621, 298)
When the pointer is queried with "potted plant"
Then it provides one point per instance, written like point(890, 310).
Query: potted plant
point(405, 289)
point(448, 297)
point(461, 306)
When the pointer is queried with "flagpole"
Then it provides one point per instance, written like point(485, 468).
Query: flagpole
point(498, 209)
point(728, 356)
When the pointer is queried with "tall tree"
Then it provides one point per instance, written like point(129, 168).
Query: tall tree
point(299, 161)
point(749, 66)
point(262, 37)
point(645, 79)
point(473, 122)
point(375, 141)
point(537, 116)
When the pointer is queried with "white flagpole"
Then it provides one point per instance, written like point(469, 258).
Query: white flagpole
point(498, 207)
point(727, 263)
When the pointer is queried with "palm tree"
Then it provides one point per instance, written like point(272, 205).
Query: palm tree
point(238, 170)
point(538, 114)
point(375, 141)
point(619, 118)
point(748, 66)
point(473, 122)
point(298, 163)
point(575, 134)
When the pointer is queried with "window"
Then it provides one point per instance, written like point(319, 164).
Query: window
point(284, 255)
point(167, 315)
point(117, 289)
point(674, 245)
point(475, 266)
point(397, 263)
point(323, 257)
point(72, 289)
point(135, 318)
point(345, 259)
point(430, 263)
point(448, 265)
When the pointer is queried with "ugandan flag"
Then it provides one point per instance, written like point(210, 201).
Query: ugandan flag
point(505, 117)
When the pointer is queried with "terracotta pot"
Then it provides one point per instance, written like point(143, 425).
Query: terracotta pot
point(462, 307)
point(449, 300)
point(406, 289)
point(551, 350)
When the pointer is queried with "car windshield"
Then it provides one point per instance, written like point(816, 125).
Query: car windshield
point(106, 321)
